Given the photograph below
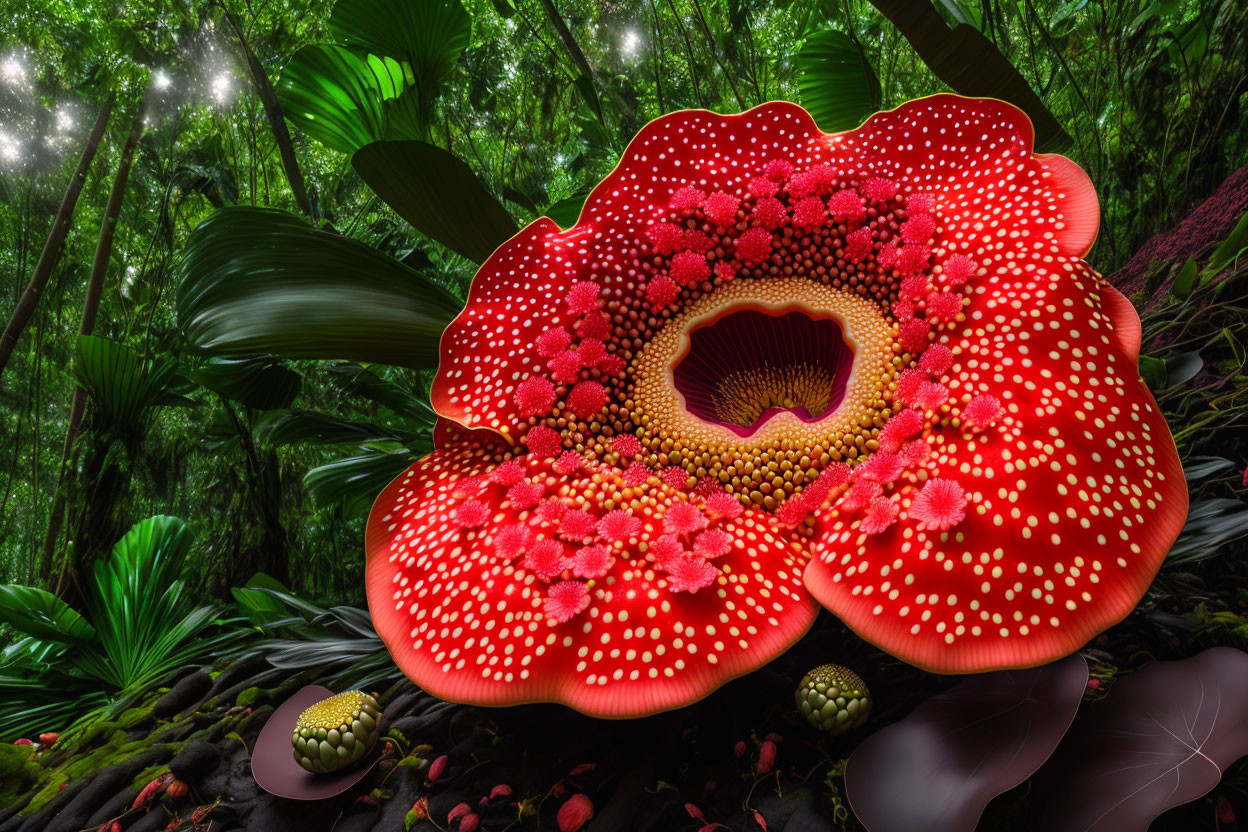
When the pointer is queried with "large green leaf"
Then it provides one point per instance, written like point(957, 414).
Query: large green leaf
point(390, 74)
point(404, 119)
point(428, 36)
point(39, 613)
point(147, 624)
point(288, 427)
point(568, 210)
point(837, 84)
point(37, 695)
point(337, 97)
point(263, 382)
point(355, 481)
point(340, 641)
point(438, 194)
point(257, 604)
point(122, 385)
point(255, 280)
point(399, 398)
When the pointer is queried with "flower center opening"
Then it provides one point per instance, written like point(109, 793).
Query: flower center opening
point(750, 364)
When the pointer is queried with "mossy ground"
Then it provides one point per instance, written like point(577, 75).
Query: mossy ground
point(640, 774)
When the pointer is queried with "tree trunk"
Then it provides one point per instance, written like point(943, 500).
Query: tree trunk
point(264, 487)
point(277, 120)
point(569, 41)
point(55, 243)
point(90, 309)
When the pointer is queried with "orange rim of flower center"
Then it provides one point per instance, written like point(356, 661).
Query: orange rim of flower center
point(773, 459)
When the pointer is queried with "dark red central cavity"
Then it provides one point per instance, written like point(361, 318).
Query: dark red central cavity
point(750, 364)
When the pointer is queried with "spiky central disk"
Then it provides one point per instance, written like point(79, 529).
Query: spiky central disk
point(762, 333)
point(749, 365)
point(339, 709)
point(745, 397)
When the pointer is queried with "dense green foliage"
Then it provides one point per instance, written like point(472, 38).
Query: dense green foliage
point(143, 623)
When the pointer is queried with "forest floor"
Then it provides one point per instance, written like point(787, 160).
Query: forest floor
point(681, 770)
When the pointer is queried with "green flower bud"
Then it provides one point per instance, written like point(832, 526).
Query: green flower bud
point(834, 699)
point(336, 732)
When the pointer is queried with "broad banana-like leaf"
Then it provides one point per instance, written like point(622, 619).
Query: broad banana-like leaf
point(837, 84)
point(357, 480)
point(122, 384)
point(256, 280)
point(438, 194)
point(336, 96)
point(40, 614)
point(263, 382)
point(427, 36)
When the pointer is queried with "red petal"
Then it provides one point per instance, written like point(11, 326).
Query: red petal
point(1075, 493)
point(468, 625)
point(973, 146)
point(519, 292)
point(476, 379)
point(974, 156)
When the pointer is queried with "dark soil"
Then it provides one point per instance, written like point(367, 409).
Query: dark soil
point(640, 775)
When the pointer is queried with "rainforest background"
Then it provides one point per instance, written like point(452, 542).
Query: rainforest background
point(123, 396)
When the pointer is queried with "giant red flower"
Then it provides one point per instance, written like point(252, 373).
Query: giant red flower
point(770, 366)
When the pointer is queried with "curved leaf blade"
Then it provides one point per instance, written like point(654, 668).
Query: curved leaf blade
point(263, 382)
point(836, 82)
point(146, 621)
point(426, 35)
point(122, 384)
point(335, 96)
point(288, 427)
point(438, 194)
point(1162, 737)
point(567, 211)
point(355, 481)
point(257, 280)
point(937, 769)
point(39, 613)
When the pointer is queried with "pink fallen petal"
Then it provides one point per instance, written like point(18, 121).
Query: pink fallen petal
point(575, 813)
point(766, 757)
